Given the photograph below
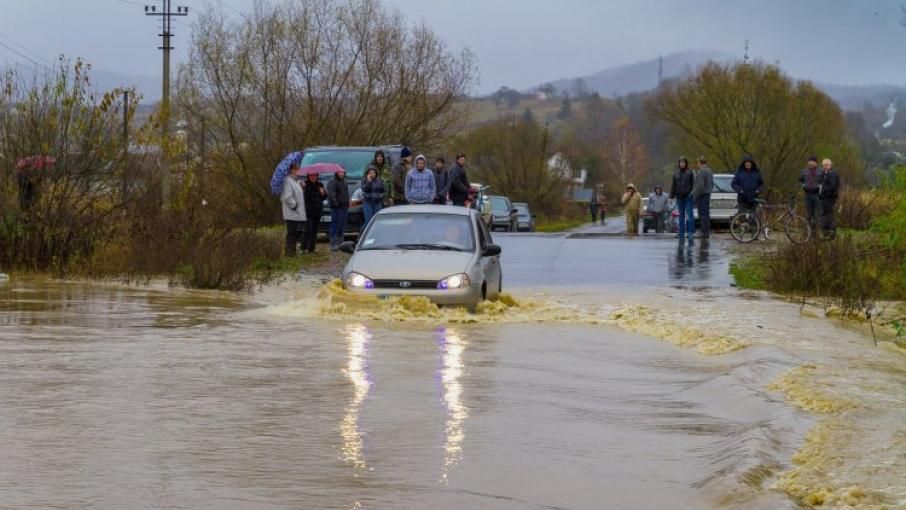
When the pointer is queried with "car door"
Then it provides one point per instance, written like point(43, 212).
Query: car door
point(490, 266)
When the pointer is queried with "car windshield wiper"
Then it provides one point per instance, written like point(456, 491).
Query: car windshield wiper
point(428, 246)
point(382, 247)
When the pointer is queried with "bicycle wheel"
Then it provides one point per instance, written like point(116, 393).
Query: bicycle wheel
point(797, 229)
point(745, 226)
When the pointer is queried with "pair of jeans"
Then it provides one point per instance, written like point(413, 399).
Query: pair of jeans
point(704, 213)
point(338, 217)
point(294, 230)
point(312, 224)
point(369, 210)
point(686, 215)
point(812, 208)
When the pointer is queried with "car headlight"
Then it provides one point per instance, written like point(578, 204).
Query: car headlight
point(456, 281)
point(358, 281)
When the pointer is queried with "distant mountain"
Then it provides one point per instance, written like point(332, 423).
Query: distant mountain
point(640, 76)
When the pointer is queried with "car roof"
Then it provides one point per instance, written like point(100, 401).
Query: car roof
point(353, 148)
point(451, 210)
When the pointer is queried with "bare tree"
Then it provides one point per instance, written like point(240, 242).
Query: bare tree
point(310, 72)
point(624, 156)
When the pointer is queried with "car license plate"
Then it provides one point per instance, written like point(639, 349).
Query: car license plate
point(325, 218)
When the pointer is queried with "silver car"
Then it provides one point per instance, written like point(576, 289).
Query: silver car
point(442, 252)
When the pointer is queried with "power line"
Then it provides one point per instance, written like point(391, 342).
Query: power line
point(32, 53)
point(23, 55)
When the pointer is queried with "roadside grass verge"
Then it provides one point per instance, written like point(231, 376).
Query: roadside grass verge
point(558, 224)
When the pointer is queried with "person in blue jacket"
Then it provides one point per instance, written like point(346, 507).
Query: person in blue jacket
point(747, 184)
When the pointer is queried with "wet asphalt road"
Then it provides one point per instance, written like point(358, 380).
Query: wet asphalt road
point(603, 255)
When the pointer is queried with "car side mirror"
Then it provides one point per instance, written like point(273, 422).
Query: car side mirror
point(534, 216)
point(347, 247)
point(491, 250)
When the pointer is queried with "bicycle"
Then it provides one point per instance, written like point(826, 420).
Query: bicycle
point(746, 226)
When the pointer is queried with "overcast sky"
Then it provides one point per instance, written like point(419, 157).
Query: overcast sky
point(521, 43)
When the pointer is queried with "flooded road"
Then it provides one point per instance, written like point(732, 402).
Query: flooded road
point(124, 397)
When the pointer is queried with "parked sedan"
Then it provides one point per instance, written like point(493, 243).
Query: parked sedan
point(525, 220)
point(443, 253)
point(503, 215)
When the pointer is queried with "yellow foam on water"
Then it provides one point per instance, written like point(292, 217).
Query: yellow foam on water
point(799, 387)
point(809, 482)
point(642, 320)
point(334, 302)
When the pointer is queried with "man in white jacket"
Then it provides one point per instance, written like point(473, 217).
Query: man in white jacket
point(293, 209)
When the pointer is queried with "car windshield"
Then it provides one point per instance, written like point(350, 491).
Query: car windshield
point(498, 204)
point(521, 210)
point(419, 231)
point(354, 161)
point(722, 184)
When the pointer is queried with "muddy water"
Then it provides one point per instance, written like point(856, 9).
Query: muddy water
point(156, 398)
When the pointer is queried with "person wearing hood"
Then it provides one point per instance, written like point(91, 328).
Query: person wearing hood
point(658, 206)
point(681, 191)
point(632, 207)
point(748, 184)
point(701, 193)
point(372, 194)
point(314, 196)
point(338, 199)
point(810, 182)
point(293, 201)
point(398, 173)
point(458, 185)
point(420, 186)
point(385, 173)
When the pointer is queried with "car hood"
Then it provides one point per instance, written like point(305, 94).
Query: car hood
point(409, 264)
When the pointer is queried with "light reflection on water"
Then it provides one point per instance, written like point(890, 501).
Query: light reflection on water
point(452, 346)
point(358, 338)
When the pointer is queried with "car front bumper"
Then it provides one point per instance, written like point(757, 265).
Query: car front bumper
point(469, 296)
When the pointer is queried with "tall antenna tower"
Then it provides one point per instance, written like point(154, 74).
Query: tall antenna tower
point(745, 57)
point(660, 69)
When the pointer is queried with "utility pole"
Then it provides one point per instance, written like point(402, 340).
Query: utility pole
point(125, 145)
point(166, 14)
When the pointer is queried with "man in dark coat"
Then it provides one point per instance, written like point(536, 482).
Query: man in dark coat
point(810, 182)
point(828, 193)
point(748, 184)
point(681, 191)
point(458, 182)
point(338, 198)
point(400, 169)
point(441, 181)
point(314, 194)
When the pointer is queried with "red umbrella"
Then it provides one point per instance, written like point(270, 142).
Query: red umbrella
point(322, 168)
point(36, 162)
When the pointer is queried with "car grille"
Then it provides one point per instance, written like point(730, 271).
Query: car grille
point(399, 284)
point(723, 204)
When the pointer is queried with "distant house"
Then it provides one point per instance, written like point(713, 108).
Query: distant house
point(575, 179)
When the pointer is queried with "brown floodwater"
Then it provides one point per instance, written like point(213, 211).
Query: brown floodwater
point(123, 397)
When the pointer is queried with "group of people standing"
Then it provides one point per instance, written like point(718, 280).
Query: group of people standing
point(688, 189)
point(382, 186)
point(692, 189)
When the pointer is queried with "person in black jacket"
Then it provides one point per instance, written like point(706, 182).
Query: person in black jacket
point(338, 198)
point(681, 190)
point(314, 194)
point(373, 194)
point(748, 184)
point(458, 185)
point(828, 192)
